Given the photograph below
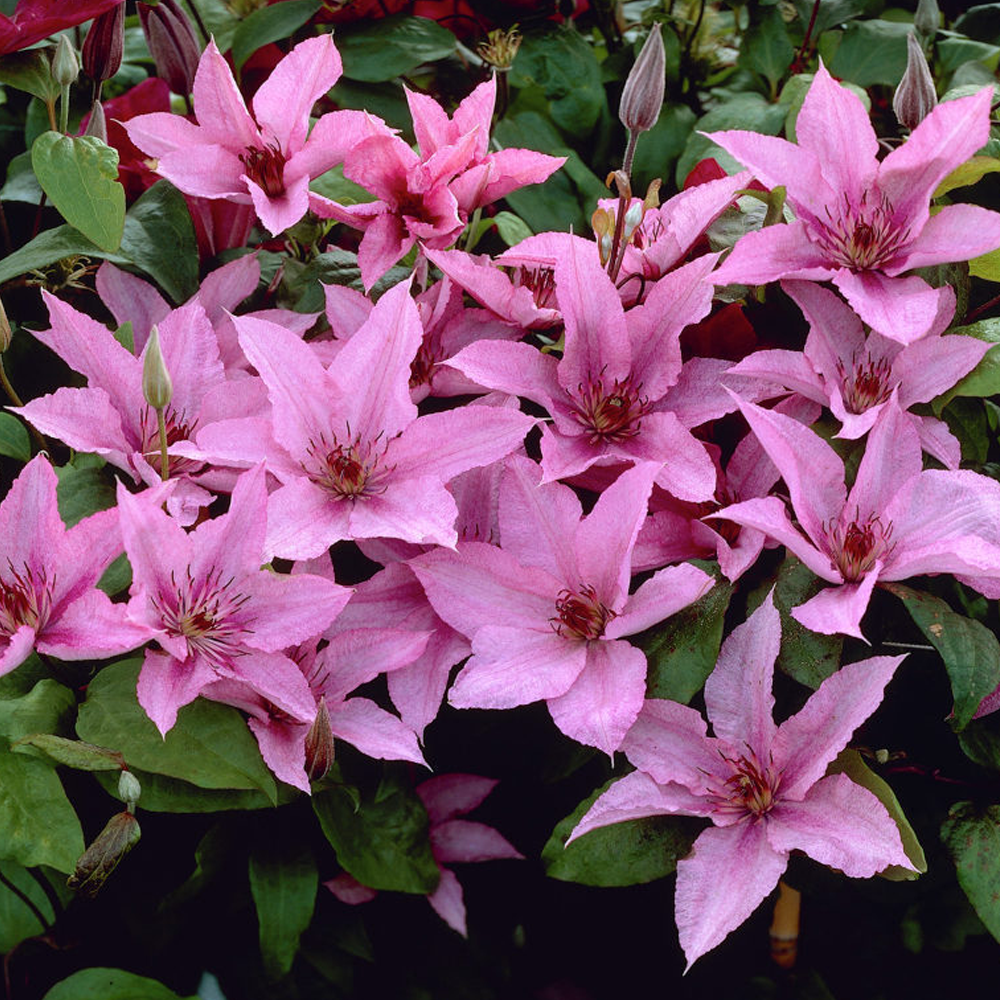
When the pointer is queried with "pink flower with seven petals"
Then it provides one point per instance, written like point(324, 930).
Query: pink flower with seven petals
point(266, 158)
point(762, 785)
point(862, 222)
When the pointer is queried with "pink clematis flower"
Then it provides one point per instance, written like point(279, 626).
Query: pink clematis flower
point(266, 158)
point(897, 521)
point(49, 600)
point(354, 458)
point(606, 393)
point(447, 798)
point(214, 612)
point(548, 612)
point(762, 785)
point(855, 376)
point(861, 223)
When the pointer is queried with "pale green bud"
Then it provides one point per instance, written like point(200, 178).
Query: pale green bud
point(156, 384)
point(129, 789)
point(65, 64)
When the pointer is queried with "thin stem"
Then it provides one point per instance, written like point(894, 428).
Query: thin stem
point(5, 231)
point(26, 899)
point(908, 645)
point(64, 110)
point(50, 107)
point(7, 387)
point(801, 54)
point(50, 893)
point(197, 20)
point(161, 423)
point(633, 140)
point(985, 307)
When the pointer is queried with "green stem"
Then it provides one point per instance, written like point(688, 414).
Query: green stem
point(164, 457)
point(50, 893)
point(7, 387)
point(64, 110)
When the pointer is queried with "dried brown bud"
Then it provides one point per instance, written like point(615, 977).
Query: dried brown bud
point(156, 384)
point(98, 861)
point(642, 97)
point(104, 44)
point(97, 124)
point(915, 97)
point(172, 44)
point(319, 744)
point(500, 48)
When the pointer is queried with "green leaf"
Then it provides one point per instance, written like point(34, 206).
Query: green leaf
point(81, 492)
point(970, 651)
point(766, 48)
point(872, 52)
point(638, 850)
point(80, 176)
point(986, 267)
point(117, 577)
point(966, 419)
point(210, 745)
point(14, 440)
point(75, 753)
point(335, 186)
point(972, 837)
point(160, 219)
point(967, 174)
point(984, 379)
point(374, 51)
point(805, 656)
point(125, 336)
point(562, 64)
point(110, 984)
point(49, 246)
point(302, 290)
point(17, 921)
point(171, 795)
point(955, 52)
point(383, 840)
point(512, 228)
point(21, 183)
point(283, 881)
point(46, 708)
point(29, 71)
point(851, 763)
point(271, 24)
point(682, 651)
point(829, 13)
point(37, 823)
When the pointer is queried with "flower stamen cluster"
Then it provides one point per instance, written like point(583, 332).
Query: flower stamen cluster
point(610, 414)
point(857, 546)
point(266, 168)
point(25, 599)
point(348, 471)
point(868, 385)
point(581, 614)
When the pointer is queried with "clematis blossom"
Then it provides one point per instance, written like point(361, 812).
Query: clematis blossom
point(216, 615)
point(49, 599)
point(897, 521)
point(266, 158)
point(854, 375)
point(447, 798)
point(861, 222)
point(548, 612)
point(762, 785)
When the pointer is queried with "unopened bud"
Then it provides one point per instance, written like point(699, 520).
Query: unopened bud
point(642, 97)
point(97, 124)
point(927, 18)
point(156, 384)
point(104, 44)
point(6, 335)
point(915, 97)
point(172, 44)
point(129, 789)
point(65, 65)
point(633, 217)
point(99, 860)
point(319, 744)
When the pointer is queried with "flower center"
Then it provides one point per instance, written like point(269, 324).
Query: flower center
point(611, 413)
point(540, 281)
point(177, 430)
point(855, 547)
point(751, 787)
point(864, 236)
point(266, 168)
point(580, 615)
point(348, 471)
point(422, 367)
point(868, 384)
point(25, 599)
point(206, 615)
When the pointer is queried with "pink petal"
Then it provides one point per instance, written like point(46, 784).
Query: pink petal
point(447, 902)
point(903, 309)
point(659, 597)
point(349, 890)
point(283, 747)
point(449, 795)
point(205, 171)
point(839, 609)
point(222, 115)
point(374, 731)
point(957, 232)
point(460, 840)
point(839, 824)
point(280, 213)
point(167, 684)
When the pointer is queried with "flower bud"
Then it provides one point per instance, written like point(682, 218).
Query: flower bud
point(97, 124)
point(642, 97)
point(319, 744)
point(99, 860)
point(129, 789)
point(927, 18)
point(172, 44)
point(65, 65)
point(6, 334)
point(500, 48)
point(104, 44)
point(915, 96)
point(633, 217)
point(156, 384)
